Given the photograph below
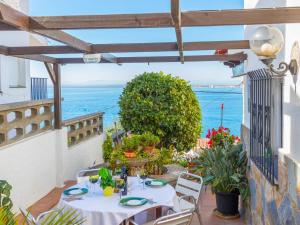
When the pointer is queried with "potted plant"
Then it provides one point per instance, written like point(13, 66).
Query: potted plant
point(224, 169)
point(130, 146)
point(149, 141)
point(107, 183)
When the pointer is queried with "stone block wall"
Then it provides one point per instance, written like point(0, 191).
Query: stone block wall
point(273, 204)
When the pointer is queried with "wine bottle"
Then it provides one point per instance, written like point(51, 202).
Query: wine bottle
point(124, 177)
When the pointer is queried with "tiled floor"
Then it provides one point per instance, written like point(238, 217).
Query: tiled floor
point(207, 204)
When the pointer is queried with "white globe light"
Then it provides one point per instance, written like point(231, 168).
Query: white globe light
point(267, 41)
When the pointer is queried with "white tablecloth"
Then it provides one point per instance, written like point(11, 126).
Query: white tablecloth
point(100, 210)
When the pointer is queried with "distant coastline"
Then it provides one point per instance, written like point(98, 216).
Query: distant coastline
point(123, 85)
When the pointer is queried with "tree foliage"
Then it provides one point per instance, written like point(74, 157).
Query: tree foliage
point(163, 105)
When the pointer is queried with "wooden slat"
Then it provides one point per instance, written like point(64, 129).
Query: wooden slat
point(50, 71)
point(132, 47)
point(136, 47)
point(65, 38)
point(104, 21)
point(13, 18)
point(191, 18)
point(176, 18)
point(33, 50)
point(40, 58)
point(21, 21)
point(241, 17)
point(57, 97)
point(156, 59)
point(3, 50)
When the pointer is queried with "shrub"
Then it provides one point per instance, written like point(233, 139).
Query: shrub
point(107, 148)
point(149, 139)
point(163, 105)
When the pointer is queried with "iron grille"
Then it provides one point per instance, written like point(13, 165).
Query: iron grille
point(261, 119)
point(38, 88)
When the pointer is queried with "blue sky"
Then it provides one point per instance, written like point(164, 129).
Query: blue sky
point(200, 72)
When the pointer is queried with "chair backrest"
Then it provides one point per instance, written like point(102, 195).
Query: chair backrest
point(81, 175)
point(189, 184)
point(181, 218)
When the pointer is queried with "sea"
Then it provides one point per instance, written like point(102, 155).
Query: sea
point(78, 101)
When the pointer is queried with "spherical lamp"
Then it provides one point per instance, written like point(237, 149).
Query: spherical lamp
point(267, 42)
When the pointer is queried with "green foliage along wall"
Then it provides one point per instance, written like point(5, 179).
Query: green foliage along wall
point(163, 105)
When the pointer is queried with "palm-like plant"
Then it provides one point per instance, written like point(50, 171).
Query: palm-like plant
point(55, 217)
point(225, 169)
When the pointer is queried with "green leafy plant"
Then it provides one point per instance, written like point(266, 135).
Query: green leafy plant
point(107, 148)
point(6, 217)
point(106, 178)
point(57, 217)
point(131, 143)
point(164, 105)
point(225, 169)
point(5, 201)
point(149, 139)
point(5, 189)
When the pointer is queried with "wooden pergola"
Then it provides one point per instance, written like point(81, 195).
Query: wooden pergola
point(52, 26)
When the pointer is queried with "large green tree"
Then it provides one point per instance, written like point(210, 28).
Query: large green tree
point(163, 105)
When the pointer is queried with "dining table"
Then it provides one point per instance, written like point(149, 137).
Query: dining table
point(97, 209)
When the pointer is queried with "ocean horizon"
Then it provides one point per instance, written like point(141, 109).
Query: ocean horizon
point(82, 100)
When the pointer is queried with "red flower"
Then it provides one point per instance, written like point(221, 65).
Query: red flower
point(208, 134)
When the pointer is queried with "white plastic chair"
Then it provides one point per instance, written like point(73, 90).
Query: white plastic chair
point(189, 189)
point(31, 219)
point(181, 218)
point(80, 175)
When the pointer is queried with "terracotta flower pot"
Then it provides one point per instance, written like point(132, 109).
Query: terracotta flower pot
point(130, 154)
point(149, 149)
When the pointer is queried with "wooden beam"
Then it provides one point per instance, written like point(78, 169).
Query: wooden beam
point(176, 18)
point(154, 59)
point(132, 47)
point(40, 58)
point(192, 18)
point(33, 50)
point(21, 21)
point(103, 21)
point(65, 38)
point(49, 68)
point(241, 17)
point(57, 97)
point(3, 50)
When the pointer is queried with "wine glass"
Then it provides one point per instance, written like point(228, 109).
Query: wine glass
point(143, 177)
point(93, 180)
point(120, 185)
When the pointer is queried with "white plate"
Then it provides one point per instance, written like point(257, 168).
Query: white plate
point(156, 183)
point(134, 202)
point(75, 192)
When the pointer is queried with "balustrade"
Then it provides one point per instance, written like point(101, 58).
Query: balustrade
point(24, 119)
point(83, 127)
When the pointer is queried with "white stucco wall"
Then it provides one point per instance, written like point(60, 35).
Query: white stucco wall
point(13, 69)
point(291, 89)
point(36, 165)
point(82, 155)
